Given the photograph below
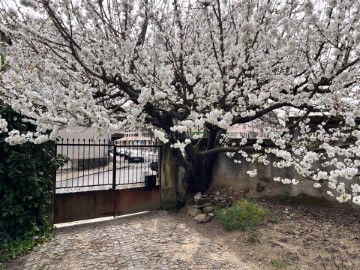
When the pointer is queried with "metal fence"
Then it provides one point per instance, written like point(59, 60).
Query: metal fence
point(102, 165)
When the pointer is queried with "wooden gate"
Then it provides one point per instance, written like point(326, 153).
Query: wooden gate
point(102, 179)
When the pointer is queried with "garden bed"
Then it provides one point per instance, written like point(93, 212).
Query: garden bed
point(297, 235)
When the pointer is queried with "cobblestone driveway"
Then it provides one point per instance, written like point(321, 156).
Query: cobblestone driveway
point(148, 241)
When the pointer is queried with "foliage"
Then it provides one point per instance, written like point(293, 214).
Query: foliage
point(180, 66)
point(278, 264)
point(253, 238)
point(23, 244)
point(26, 188)
point(242, 215)
point(287, 259)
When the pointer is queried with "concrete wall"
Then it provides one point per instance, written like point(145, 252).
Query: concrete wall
point(228, 174)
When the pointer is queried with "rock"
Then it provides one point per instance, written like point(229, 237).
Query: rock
point(200, 206)
point(203, 202)
point(219, 198)
point(208, 209)
point(222, 204)
point(192, 211)
point(202, 218)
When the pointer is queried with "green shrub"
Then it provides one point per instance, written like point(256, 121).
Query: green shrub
point(26, 189)
point(242, 215)
point(278, 264)
point(253, 238)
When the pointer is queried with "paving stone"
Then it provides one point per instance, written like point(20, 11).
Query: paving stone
point(130, 243)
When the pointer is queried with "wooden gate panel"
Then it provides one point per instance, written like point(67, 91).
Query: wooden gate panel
point(134, 200)
point(83, 205)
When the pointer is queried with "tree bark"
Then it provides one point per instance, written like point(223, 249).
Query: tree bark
point(198, 175)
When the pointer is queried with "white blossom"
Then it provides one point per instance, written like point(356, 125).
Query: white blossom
point(252, 173)
point(3, 125)
point(317, 185)
point(295, 181)
point(343, 198)
point(356, 200)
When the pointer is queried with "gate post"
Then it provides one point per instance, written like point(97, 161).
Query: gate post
point(168, 178)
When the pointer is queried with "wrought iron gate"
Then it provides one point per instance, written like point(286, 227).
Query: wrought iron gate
point(106, 179)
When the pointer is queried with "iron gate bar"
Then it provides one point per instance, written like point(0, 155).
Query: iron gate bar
point(114, 193)
point(114, 168)
point(93, 166)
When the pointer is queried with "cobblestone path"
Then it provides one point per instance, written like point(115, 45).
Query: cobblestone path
point(148, 241)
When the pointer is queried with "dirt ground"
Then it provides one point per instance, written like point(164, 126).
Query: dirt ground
point(299, 235)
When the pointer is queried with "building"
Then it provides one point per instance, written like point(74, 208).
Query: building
point(138, 137)
point(84, 146)
point(253, 130)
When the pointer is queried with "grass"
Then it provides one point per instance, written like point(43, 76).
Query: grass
point(253, 238)
point(287, 259)
point(278, 264)
point(290, 257)
point(242, 215)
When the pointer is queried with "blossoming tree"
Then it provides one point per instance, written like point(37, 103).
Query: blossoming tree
point(178, 65)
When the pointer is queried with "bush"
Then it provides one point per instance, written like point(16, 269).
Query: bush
point(242, 215)
point(278, 264)
point(26, 190)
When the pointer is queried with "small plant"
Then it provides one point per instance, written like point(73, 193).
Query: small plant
point(242, 215)
point(254, 238)
point(336, 262)
point(290, 257)
point(278, 264)
point(273, 218)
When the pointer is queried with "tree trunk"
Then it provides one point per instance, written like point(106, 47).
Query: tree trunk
point(198, 176)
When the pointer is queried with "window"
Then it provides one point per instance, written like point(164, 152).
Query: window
point(252, 135)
